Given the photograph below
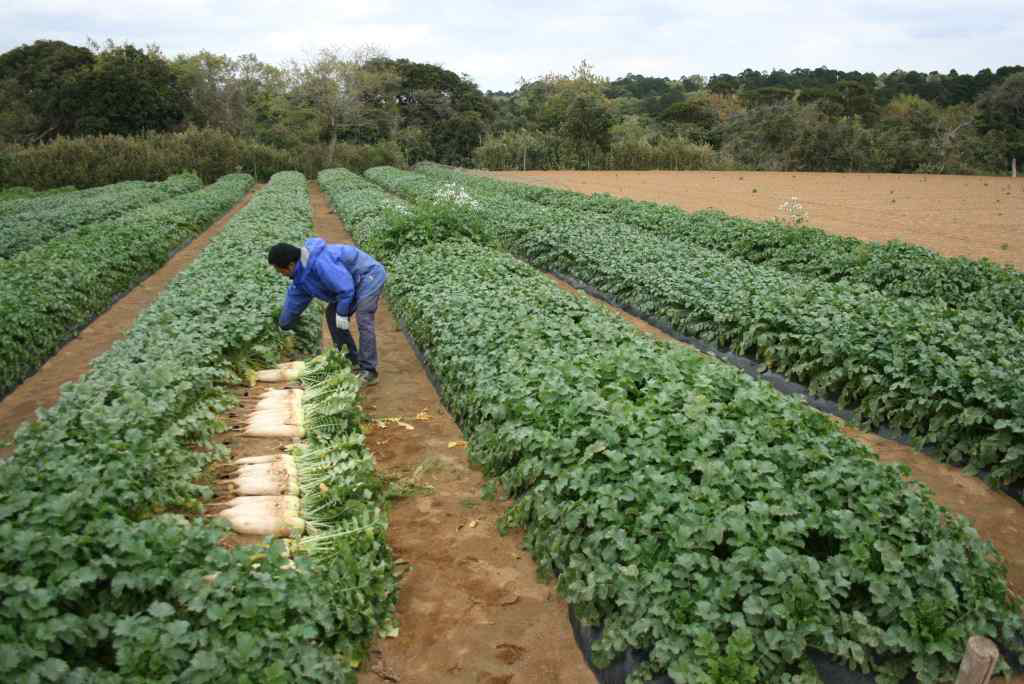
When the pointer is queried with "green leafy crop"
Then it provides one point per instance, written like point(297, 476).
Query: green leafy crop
point(895, 268)
point(37, 220)
point(695, 513)
point(952, 377)
point(106, 572)
point(50, 292)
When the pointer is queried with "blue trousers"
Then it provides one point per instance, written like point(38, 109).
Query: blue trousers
point(365, 357)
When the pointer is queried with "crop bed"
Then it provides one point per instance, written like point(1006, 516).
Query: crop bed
point(35, 221)
point(107, 572)
point(50, 292)
point(894, 268)
point(697, 515)
point(949, 377)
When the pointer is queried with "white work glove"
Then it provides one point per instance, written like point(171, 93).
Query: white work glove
point(341, 321)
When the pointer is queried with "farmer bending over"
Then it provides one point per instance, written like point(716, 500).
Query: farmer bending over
point(348, 279)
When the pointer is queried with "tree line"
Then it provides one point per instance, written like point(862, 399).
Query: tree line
point(805, 119)
point(329, 104)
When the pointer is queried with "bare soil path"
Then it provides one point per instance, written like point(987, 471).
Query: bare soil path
point(42, 389)
point(471, 608)
point(972, 216)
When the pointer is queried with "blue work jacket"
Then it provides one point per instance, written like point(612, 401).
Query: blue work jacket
point(337, 274)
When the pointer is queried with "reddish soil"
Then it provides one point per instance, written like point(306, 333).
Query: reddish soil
point(471, 608)
point(42, 389)
point(972, 216)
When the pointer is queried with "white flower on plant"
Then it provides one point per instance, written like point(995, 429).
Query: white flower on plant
point(795, 213)
point(453, 193)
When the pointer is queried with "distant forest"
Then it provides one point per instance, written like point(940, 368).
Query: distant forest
point(335, 106)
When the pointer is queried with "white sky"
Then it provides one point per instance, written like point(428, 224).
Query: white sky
point(497, 43)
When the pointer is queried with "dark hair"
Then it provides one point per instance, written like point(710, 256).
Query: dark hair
point(282, 255)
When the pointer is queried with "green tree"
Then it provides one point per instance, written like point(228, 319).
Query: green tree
point(233, 94)
point(857, 100)
point(723, 84)
point(909, 134)
point(18, 122)
point(332, 86)
point(588, 121)
point(127, 91)
point(448, 107)
point(767, 95)
point(1001, 111)
point(37, 81)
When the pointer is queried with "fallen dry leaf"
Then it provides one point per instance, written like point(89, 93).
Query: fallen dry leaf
point(458, 443)
point(423, 415)
point(405, 425)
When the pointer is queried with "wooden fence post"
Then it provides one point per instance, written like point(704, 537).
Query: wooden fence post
point(979, 661)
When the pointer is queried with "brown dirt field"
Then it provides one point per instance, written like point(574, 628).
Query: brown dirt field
point(471, 608)
point(42, 389)
point(972, 216)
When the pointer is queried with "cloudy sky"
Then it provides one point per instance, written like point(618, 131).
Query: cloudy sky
point(496, 43)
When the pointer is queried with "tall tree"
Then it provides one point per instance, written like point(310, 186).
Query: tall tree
point(40, 79)
point(331, 86)
point(128, 91)
point(588, 121)
point(1001, 110)
point(448, 108)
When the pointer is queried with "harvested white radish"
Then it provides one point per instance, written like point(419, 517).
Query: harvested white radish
point(275, 398)
point(262, 525)
point(262, 469)
point(284, 372)
point(265, 515)
point(248, 460)
point(265, 486)
point(271, 430)
point(282, 503)
point(266, 478)
point(269, 416)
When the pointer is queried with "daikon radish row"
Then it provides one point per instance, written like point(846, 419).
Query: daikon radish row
point(277, 516)
point(278, 414)
point(275, 410)
point(275, 398)
point(274, 430)
point(290, 414)
point(269, 458)
point(277, 477)
point(284, 372)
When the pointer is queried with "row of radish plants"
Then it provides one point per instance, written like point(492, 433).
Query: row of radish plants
point(37, 220)
point(950, 378)
point(50, 292)
point(696, 514)
point(109, 572)
point(894, 268)
point(20, 198)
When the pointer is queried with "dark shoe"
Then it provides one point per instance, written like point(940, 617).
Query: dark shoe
point(367, 377)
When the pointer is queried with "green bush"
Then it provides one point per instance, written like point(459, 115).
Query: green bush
point(535, 150)
point(103, 159)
